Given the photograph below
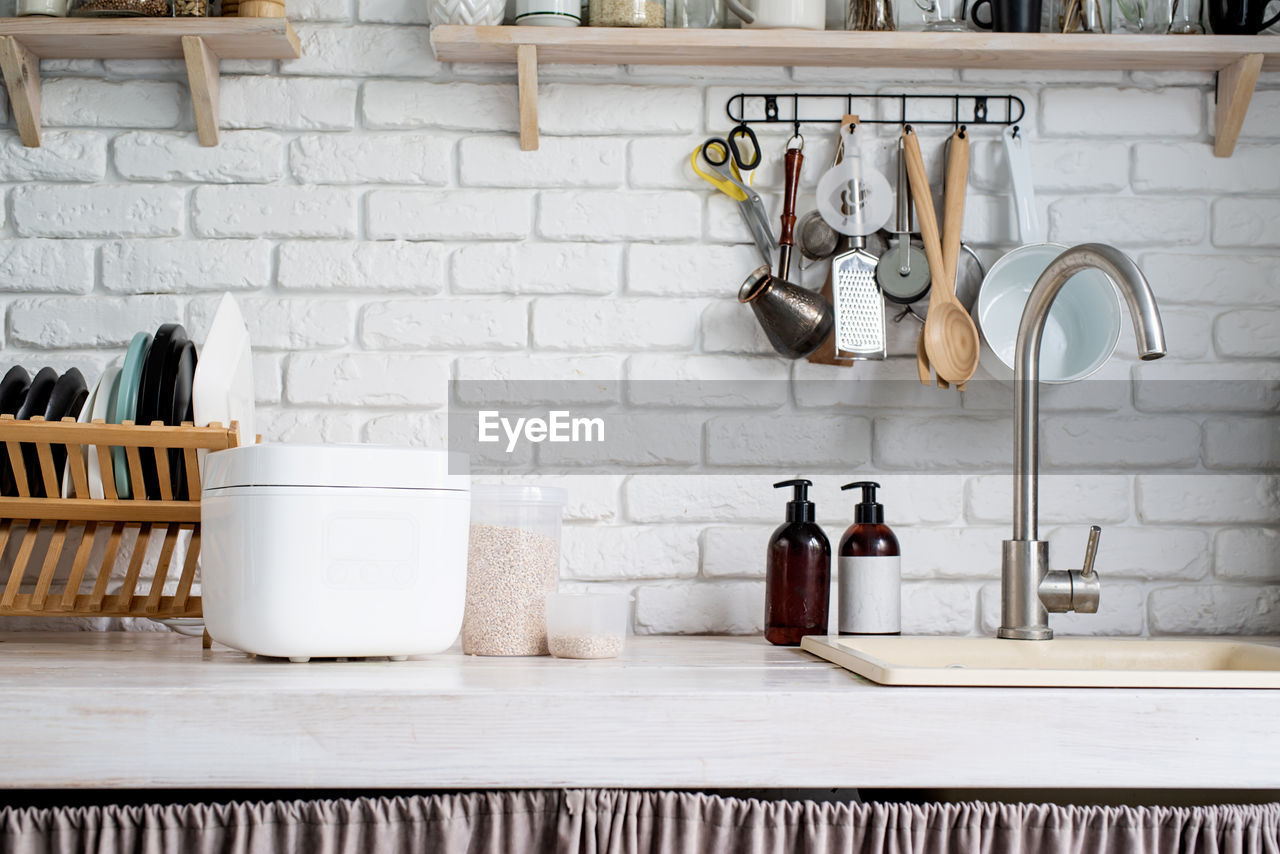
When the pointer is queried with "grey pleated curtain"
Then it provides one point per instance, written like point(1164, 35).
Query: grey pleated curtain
point(628, 822)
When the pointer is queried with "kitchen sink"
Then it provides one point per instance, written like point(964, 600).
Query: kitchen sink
point(1058, 663)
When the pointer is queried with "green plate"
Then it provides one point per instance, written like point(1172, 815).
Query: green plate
point(124, 403)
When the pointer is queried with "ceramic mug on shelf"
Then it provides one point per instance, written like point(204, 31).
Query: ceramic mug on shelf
point(548, 13)
point(1008, 16)
point(780, 14)
point(1239, 17)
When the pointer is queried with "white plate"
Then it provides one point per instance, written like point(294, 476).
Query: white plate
point(95, 406)
point(223, 387)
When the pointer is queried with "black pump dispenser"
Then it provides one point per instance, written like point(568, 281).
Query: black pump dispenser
point(799, 508)
point(867, 511)
point(797, 581)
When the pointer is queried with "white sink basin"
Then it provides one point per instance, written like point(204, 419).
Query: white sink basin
point(1061, 663)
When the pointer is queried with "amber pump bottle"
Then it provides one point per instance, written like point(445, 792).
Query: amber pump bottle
point(870, 571)
point(798, 577)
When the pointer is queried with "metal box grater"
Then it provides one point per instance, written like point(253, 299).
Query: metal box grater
point(859, 306)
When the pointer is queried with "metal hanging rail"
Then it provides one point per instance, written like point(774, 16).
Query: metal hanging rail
point(761, 108)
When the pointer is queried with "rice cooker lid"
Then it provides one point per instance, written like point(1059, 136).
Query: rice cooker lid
point(363, 466)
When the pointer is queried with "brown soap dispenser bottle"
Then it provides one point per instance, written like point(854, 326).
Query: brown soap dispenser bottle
point(798, 578)
point(870, 571)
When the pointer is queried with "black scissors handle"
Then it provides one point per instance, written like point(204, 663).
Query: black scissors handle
point(744, 131)
point(718, 150)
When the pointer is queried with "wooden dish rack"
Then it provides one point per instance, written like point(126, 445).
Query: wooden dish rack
point(126, 527)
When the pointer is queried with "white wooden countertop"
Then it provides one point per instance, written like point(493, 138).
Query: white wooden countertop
point(145, 710)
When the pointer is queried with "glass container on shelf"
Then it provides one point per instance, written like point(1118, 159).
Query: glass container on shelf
point(943, 16)
point(1184, 17)
point(696, 14)
point(1082, 16)
point(628, 13)
point(47, 8)
point(870, 16)
point(1135, 16)
point(122, 8)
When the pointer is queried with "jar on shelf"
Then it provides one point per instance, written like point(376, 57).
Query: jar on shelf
point(1135, 16)
point(695, 14)
point(628, 13)
point(191, 8)
point(870, 16)
point(122, 8)
point(1183, 17)
point(47, 8)
point(1081, 16)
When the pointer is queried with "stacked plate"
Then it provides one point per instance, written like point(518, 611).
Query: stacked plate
point(49, 396)
point(158, 380)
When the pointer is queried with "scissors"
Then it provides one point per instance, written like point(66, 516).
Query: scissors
point(719, 152)
point(750, 206)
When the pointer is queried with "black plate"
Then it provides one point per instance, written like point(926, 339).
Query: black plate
point(36, 402)
point(155, 393)
point(68, 397)
point(37, 399)
point(66, 401)
point(178, 409)
point(13, 391)
point(153, 373)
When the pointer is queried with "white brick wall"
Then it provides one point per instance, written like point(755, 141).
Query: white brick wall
point(374, 214)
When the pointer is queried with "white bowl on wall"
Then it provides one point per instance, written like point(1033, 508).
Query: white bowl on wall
point(1082, 328)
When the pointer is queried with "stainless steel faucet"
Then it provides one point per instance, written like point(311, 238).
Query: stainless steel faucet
point(1029, 590)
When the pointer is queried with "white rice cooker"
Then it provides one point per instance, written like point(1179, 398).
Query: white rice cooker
point(334, 550)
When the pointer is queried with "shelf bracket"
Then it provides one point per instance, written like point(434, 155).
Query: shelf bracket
point(527, 89)
point(21, 70)
point(1235, 90)
point(203, 79)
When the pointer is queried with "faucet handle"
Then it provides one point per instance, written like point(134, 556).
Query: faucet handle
point(1091, 552)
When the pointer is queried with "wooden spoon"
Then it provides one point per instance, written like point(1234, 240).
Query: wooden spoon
point(951, 339)
point(922, 361)
point(923, 370)
point(957, 178)
point(928, 220)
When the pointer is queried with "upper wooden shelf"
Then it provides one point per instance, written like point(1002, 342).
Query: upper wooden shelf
point(152, 38)
point(839, 48)
point(1238, 58)
point(202, 42)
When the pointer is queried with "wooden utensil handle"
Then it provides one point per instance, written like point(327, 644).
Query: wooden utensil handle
point(926, 217)
point(953, 204)
point(791, 172)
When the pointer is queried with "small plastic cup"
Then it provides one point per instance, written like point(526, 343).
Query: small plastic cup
point(587, 625)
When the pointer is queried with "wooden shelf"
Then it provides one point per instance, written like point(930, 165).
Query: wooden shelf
point(1237, 59)
point(202, 42)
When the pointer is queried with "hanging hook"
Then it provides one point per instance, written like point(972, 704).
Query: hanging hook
point(981, 113)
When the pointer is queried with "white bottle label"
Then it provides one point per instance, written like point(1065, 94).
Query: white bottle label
point(870, 595)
